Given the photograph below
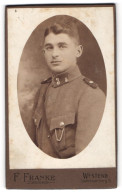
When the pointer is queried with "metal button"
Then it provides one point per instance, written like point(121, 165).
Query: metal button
point(91, 82)
point(58, 82)
point(48, 136)
point(66, 79)
point(35, 120)
point(61, 124)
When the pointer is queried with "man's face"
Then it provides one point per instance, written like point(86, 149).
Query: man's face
point(60, 52)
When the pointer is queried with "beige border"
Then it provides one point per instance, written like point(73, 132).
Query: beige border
point(23, 153)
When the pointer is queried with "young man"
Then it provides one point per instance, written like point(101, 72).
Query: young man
point(69, 106)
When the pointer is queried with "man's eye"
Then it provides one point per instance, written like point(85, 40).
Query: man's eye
point(49, 48)
point(62, 46)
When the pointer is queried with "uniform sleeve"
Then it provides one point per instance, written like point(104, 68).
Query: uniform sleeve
point(89, 115)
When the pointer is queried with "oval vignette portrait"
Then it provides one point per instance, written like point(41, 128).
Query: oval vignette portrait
point(61, 86)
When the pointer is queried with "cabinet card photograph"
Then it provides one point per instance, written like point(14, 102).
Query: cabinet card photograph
point(60, 96)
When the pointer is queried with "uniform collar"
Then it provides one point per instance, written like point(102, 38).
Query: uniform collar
point(65, 77)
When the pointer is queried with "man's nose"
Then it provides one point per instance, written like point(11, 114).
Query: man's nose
point(55, 53)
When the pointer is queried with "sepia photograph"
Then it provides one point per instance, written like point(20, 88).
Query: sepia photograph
point(65, 110)
point(61, 93)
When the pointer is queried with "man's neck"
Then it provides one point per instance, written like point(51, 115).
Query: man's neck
point(70, 69)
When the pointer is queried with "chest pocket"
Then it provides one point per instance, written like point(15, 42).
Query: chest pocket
point(62, 129)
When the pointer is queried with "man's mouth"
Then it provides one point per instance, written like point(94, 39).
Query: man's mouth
point(55, 62)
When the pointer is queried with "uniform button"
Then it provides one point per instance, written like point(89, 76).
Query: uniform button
point(48, 136)
point(61, 124)
point(35, 120)
point(91, 82)
point(58, 82)
point(66, 79)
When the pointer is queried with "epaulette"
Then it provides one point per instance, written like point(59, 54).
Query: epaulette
point(90, 83)
point(47, 80)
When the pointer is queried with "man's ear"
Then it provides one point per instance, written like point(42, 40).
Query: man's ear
point(79, 51)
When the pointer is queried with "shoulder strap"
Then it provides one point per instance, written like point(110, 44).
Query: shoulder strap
point(90, 83)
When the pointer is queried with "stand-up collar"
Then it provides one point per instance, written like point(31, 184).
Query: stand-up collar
point(65, 77)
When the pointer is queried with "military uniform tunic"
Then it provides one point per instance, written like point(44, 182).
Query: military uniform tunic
point(68, 113)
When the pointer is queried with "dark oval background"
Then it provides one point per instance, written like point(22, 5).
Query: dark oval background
point(33, 69)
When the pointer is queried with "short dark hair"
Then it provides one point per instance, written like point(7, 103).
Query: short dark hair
point(67, 27)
